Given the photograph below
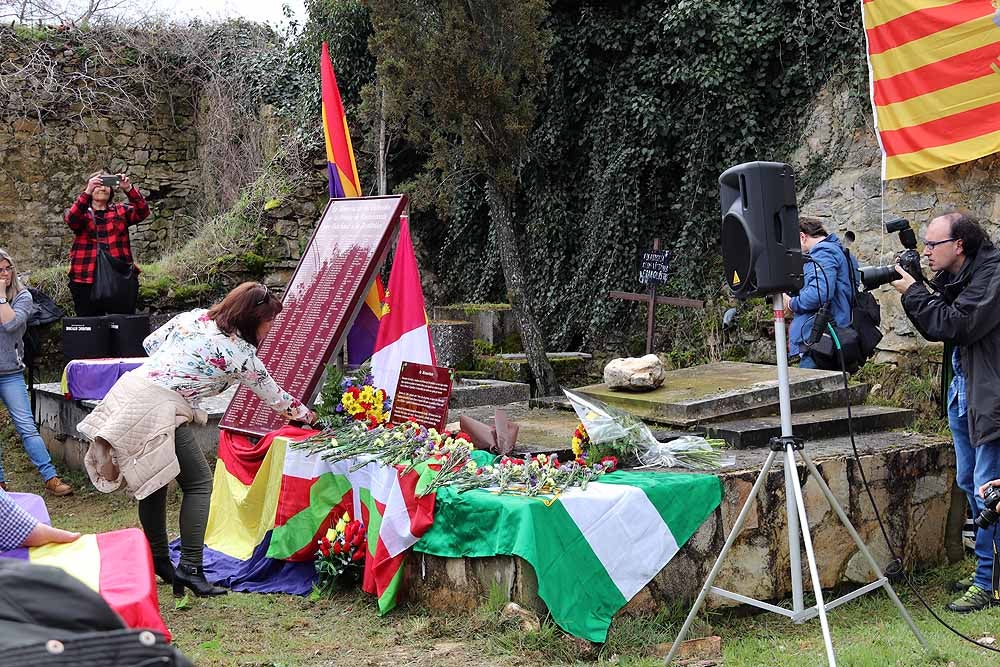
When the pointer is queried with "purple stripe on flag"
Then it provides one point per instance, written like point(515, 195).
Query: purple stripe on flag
point(361, 338)
point(257, 574)
point(336, 189)
point(33, 505)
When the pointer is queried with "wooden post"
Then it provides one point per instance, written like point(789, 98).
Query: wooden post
point(650, 316)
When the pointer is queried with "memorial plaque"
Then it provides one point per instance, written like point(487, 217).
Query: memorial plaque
point(321, 301)
point(654, 267)
point(422, 394)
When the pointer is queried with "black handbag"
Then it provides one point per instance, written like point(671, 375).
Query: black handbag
point(116, 283)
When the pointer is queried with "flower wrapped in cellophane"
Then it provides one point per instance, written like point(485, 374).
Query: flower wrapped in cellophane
point(607, 430)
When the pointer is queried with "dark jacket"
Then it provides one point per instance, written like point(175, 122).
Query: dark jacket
point(966, 311)
point(829, 254)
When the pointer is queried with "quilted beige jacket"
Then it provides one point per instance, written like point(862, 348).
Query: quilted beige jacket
point(131, 434)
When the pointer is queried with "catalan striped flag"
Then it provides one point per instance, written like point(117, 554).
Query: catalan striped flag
point(343, 181)
point(934, 67)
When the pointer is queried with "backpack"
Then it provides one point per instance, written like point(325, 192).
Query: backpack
point(859, 339)
point(44, 312)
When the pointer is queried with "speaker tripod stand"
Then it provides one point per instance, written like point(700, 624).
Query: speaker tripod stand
point(788, 446)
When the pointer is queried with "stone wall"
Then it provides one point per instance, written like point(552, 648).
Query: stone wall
point(44, 161)
point(851, 197)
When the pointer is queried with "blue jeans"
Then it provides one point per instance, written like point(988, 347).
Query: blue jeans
point(14, 394)
point(806, 361)
point(974, 466)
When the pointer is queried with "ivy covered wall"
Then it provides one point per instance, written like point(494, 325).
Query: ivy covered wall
point(646, 104)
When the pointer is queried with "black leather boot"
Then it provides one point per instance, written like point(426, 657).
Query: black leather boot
point(163, 568)
point(193, 577)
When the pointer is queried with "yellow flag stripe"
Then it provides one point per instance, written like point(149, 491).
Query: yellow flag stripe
point(929, 159)
point(930, 49)
point(80, 559)
point(241, 515)
point(878, 12)
point(940, 103)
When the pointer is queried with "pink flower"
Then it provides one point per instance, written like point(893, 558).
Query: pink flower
point(218, 362)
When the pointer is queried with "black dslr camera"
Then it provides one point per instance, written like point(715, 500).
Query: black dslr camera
point(989, 515)
point(909, 259)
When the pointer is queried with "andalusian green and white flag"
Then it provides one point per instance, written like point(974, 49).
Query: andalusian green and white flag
point(592, 550)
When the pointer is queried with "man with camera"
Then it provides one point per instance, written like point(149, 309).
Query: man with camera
point(100, 237)
point(960, 307)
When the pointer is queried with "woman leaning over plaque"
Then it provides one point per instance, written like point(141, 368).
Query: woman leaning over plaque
point(195, 355)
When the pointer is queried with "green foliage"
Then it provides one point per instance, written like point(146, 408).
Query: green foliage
point(644, 105)
point(914, 382)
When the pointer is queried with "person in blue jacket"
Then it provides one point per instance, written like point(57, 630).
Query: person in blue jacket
point(835, 289)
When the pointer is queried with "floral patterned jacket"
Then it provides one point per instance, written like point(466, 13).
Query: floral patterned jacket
point(190, 355)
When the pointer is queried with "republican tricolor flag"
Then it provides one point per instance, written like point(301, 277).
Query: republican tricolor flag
point(935, 81)
point(403, 333)
point(343, 181)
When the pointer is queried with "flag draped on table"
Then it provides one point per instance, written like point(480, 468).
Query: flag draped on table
point(116, 565)
point(935, 81)
point(574, 542)
point(403, 333)
point(241, 517)
point(387, 503)
point(343, 181)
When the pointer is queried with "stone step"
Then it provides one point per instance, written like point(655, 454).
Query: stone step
point(811, 425)
point(711, 391)
point(826, 397)
point(821, 400)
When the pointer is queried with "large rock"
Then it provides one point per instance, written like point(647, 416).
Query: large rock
point(634, 374)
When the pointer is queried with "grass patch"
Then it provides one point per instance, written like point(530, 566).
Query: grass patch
point(252, 629)
point(914, 382)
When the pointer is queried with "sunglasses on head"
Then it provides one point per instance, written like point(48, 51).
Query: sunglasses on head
point(267, 295)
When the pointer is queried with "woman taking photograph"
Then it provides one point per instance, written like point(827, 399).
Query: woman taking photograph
point(144, 420)
point(15, 308)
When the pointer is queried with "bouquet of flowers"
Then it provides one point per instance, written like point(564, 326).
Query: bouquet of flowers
point(539, 474)
point(353, 398)
point(606, 429)
point(406, 444)
point(340, 559)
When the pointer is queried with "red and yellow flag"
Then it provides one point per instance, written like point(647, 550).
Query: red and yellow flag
point(935, 81)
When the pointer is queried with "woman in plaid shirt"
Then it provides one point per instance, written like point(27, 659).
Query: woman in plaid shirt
point(97, 220)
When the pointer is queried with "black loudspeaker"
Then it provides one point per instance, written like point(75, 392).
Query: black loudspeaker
point(760, 229)
point(86, 338)
point(127, 333)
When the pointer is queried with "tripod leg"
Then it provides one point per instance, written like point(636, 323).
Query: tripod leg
point(839, 511)
point(733, 534)
point(810, 556)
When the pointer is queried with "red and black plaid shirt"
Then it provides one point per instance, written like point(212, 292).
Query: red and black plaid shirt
point(113, 232)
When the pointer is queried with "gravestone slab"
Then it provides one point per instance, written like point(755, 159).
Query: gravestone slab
point(710, 391)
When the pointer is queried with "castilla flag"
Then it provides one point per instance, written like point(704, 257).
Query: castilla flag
point(343, 181)
point(934, 67)
point(403, 332)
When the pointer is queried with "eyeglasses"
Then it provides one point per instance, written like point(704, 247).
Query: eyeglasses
point(6, 269)
point(934, 244)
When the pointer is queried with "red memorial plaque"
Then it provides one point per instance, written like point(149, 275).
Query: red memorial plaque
point(422, 394)
point(321, 301)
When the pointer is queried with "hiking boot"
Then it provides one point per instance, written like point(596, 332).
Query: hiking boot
point(57, 487)
point(974, 599)
point(962, 585)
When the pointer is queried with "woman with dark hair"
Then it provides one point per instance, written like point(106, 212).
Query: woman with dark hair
point(197, 354)
point(96, 220)
point(15, 308)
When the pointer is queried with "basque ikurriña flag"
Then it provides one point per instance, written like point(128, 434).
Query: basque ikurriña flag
point(343, 180)
point(403, 333)
point(934, 67)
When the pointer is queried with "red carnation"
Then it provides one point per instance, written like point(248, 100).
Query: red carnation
point(464, 436)
point(355, 392)
point(610, 463)
point(324, 546)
